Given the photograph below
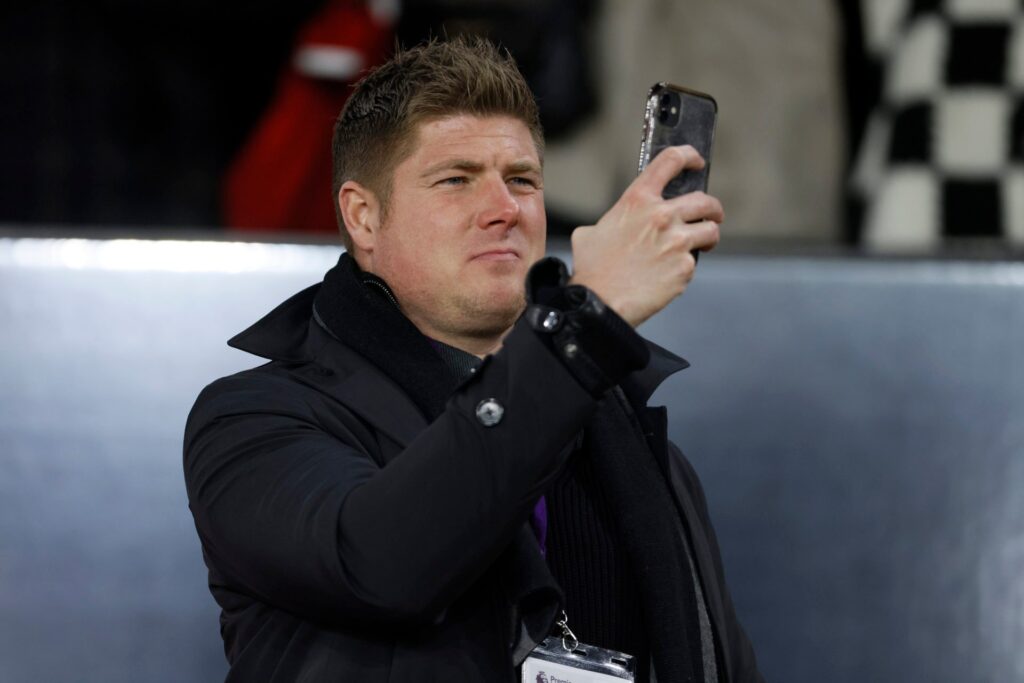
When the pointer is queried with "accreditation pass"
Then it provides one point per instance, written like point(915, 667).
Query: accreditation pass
point(553, 662)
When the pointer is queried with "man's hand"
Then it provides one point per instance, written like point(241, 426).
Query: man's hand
point(637, 258)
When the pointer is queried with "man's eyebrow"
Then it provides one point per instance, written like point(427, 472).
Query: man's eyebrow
point(454, 165)
point(469, 166)
point(524, 166)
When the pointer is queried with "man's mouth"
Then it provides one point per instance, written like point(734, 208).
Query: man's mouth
point(503, 254)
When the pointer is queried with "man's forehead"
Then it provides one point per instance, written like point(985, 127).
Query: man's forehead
point(458, 136)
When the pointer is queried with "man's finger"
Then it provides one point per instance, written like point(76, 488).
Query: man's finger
point(701, 236)
point(697, 206)
point(709, 236)
point(667, 165)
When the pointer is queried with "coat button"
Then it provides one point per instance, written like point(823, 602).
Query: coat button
point(551, 321)
point(489, 412)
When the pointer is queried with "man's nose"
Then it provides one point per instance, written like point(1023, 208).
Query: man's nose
point(499, 207)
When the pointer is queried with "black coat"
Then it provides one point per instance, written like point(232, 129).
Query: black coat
point(334, 559)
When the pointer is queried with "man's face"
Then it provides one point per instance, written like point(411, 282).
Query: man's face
point(464, 223)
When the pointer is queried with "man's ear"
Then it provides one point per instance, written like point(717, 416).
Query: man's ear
point(361, 211)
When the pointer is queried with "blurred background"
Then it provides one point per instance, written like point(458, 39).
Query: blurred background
point(888, 124)
point(857, 392)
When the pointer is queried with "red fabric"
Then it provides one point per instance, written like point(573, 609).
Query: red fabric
point(281, 178)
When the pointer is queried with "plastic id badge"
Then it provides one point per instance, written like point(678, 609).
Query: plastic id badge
point(554, 662)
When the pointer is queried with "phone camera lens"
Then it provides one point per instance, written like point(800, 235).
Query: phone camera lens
point(669, 109)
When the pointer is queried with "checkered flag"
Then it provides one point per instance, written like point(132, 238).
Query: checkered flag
point(943, 154)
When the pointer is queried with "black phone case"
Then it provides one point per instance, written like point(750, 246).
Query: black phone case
point(695, 126)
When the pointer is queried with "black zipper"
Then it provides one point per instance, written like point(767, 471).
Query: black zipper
point(383, 288)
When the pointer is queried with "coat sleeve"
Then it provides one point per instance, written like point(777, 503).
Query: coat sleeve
point(306, 521)
point(739, 651)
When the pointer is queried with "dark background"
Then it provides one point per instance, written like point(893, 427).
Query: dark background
point(129, 114)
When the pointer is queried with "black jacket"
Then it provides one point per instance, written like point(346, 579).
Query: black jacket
point(334, 559)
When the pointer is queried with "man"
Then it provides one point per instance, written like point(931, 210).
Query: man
point(437, 461)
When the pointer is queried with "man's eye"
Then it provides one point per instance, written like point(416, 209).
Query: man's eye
point(453, 180)
point(520, 180)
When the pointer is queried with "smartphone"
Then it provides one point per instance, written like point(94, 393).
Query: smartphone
point(679, 116)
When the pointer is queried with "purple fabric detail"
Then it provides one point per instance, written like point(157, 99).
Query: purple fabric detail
point(539, 523)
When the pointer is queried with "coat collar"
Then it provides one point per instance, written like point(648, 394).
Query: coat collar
point(358, 309)
point(641, 385)
point(290, 334)
point(282, 334)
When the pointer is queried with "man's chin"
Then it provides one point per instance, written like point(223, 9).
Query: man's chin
point(497, 312)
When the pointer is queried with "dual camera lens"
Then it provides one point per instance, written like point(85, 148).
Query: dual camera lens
point(668, 108)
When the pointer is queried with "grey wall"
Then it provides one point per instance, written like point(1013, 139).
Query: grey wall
point(859, 430)
point(856, 424)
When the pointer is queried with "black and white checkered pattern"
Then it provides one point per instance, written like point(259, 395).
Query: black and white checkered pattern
point(943, 155)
